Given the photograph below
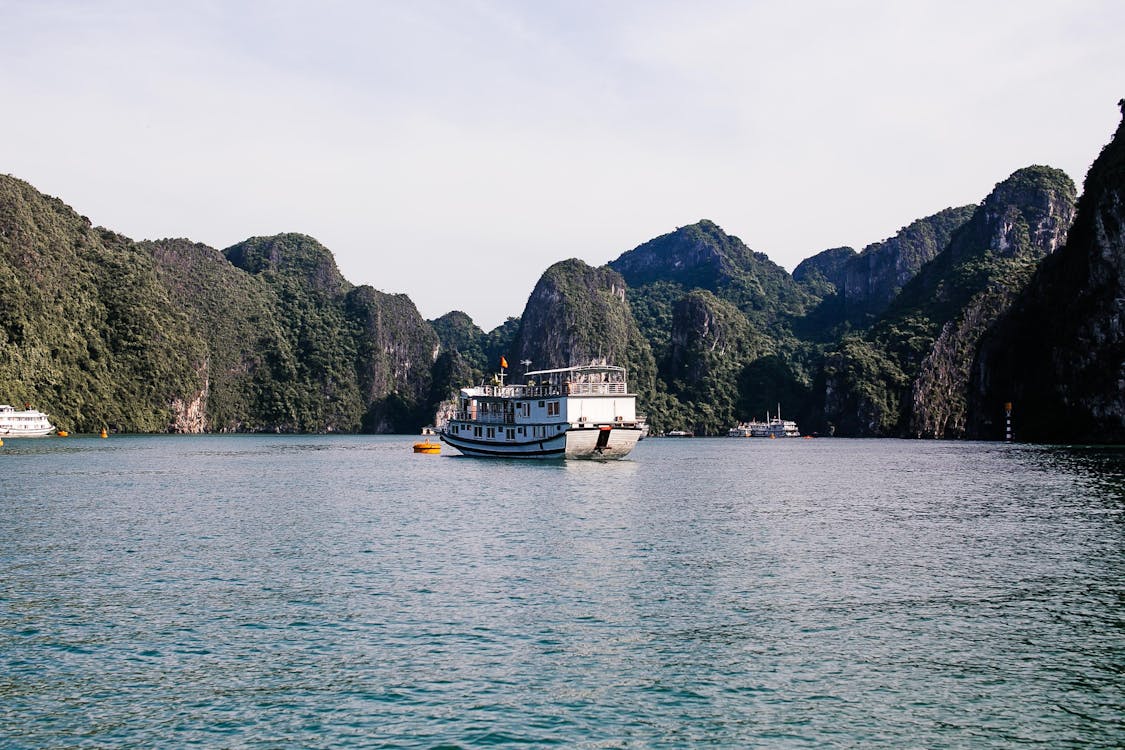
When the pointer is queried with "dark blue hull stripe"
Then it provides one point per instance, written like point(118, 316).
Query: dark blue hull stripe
point(516, 450)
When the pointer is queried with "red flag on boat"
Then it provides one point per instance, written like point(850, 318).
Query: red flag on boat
point(503, 362)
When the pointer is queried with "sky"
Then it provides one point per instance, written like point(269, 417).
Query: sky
point(454, 150)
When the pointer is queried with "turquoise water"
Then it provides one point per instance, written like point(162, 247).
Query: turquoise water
point(343, 592)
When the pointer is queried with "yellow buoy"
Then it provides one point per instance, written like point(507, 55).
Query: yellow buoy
point(427, 447)
point(63, 433)
point(104, 433)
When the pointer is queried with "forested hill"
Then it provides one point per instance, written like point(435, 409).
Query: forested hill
point(101, 331)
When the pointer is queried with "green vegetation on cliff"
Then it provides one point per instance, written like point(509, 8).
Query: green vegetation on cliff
point(247, 351)
point(707, 304)
point(703, 256)
point(908, 374)
point(481, 351)
point(100, 331)
point(87, 331)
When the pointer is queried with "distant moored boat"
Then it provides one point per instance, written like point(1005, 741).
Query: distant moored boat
point(773, 427)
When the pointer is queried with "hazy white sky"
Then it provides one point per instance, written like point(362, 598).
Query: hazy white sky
point(453, 150)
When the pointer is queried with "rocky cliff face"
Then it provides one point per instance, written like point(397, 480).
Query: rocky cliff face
point(293, 256)
point(395, 354)
point(874, 277)
point(292, 346)
point(712, 342)
point(457, 332)
point(247, 352)
point(308, 297)
point(577, 313)
point(1058, 354)
point(826, 272)
point(1022, 222)
point(700, 255)
point(703, 256)
point(909, 373)
point(939, 399)
point(711, 339)
point(362, 359)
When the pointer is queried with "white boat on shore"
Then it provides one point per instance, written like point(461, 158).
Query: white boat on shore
point(572, 412)
point(23, 423)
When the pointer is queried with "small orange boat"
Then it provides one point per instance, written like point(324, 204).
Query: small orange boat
point(427, 447)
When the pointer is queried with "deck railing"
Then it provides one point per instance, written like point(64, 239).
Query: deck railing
point(554, 391)
point(484, 418)
point(596, 389)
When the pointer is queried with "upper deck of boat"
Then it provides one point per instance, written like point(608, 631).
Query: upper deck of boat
point(581, 380)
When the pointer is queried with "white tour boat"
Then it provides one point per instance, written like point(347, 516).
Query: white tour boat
point(773, 427)
point(572, 412)
point(25, 423)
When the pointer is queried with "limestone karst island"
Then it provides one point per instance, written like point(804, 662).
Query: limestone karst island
point(930, 333)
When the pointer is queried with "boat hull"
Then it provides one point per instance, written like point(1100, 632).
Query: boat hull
point(32, 433)
point(593, 442)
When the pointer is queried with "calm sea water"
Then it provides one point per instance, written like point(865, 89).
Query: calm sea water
point(343, 592)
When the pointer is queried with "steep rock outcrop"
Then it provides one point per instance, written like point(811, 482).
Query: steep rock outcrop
point(826, 272)
point(874, 278)
point(912, 378)
point(457, 332)
point(323, 394)
point(293, 256)
point(1022, 222)
point(703, 256)
point(712, 342)
point(577, 313)
point(711, 339)
point(939, 399)
point(249, 358)
point(1058, 355)
point(699, 255)
point(395, 354)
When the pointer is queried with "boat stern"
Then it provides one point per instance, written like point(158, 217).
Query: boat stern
point(601, 441)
